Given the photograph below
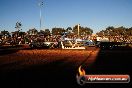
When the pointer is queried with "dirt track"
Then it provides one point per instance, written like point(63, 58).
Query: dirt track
point(58, 68)
point(37, 68)
point(25, 58)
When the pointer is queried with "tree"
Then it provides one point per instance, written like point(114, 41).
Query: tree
point(69, 29)
point(18, 26)
point(47, 32)
point(32, 31)
point(129, 31)
point(87, 31)
point(110, 28)
point(41, 32)
point(22, 34)
point(58, 31)
point(5, 34)
point(117, 34)
point(82, 30)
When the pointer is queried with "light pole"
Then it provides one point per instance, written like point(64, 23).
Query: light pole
point(78, 30)
point(40, 5)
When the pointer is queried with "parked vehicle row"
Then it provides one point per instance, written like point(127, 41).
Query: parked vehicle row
point(110, 45)
point(43, 45)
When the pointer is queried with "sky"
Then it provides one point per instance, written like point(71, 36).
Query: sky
point(95, 14)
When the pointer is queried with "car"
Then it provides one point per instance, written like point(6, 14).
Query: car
point(41, 44)
point(109, 45)
point(67, 44)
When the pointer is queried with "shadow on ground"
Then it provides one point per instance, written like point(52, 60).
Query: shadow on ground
point(8, 51)
point(114, 61)
point(4, 50)
point(50, 75)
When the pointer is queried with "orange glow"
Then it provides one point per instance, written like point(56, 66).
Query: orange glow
point(81, 71)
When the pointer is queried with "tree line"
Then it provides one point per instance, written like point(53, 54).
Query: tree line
point(112, 31)
point(55, 31)
point(83, 31)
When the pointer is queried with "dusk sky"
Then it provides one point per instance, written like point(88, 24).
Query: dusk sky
point(95, 14)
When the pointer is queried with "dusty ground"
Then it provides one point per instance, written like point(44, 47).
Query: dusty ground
point(26, 58)
point(40, 67)
point(47, 68)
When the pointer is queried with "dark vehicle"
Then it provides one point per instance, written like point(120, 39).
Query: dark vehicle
point(110, 45)
point(72, 43)
point(89, 43)
point(67, 44)
point(45, 45)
